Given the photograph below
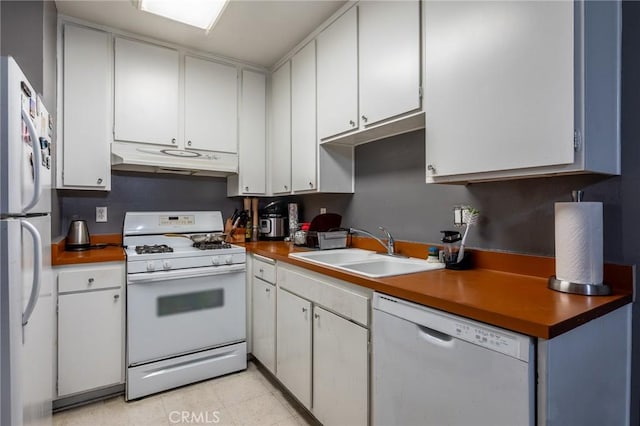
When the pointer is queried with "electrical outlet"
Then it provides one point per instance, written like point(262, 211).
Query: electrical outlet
point(323, 210)
point(458, 215)
point(101, 214)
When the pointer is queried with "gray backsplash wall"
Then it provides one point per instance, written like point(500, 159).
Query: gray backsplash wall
point(144, 192)
point(516, 216)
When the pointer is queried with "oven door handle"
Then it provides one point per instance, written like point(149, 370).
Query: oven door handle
point(149, 277)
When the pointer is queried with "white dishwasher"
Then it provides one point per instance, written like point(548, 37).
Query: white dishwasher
point(431, 368)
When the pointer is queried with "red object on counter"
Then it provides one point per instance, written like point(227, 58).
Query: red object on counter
point(304, 226)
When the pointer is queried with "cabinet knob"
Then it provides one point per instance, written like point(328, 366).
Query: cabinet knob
point(304, 309)
point(268, 290)
point(261, 271)
point(286, 187)
point(99, 181)
point(116, 296)
point(173, 141)
point(189, 143)
point(364, 118)
point(431, 168)
point(311, 184)
point(246, 188)
point(90, 280)
point(316, 316)
point(353, 123)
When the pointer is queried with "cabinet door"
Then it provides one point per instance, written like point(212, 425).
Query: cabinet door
point(281, 130)
point(389, 57)
point(340, 370)
point(264, 323)
point(210, 106)
point(498, 85)
point(146, 93)
point(338, 76)
point(303, 119)
point(90, 351)
point(252, 140)
point(294, 345)
point(86, 104)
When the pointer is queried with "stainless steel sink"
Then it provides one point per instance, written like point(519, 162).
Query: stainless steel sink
point(366, 262)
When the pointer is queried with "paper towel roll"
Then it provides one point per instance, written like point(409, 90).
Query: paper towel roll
point(579, 256)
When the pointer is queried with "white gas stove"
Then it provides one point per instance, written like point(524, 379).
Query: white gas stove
point(185, 301)
point(161, 242)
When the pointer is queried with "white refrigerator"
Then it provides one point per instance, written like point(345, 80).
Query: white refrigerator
point(26, 284)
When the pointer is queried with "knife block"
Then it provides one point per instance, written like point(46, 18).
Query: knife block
point(234, 235)
point(237, 235)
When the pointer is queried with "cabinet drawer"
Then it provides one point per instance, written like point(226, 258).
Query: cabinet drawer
point(337, 296)
point(265, 269)
point(90, 279)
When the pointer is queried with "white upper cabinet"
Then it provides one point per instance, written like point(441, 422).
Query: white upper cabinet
point(516, 89)
point(369, 73)
point(303, 119)
point(83, 160)
point(211, 106)
point(146, 93)
point(281, 130)
point(389, 59)
point(338, 76)
point(499, 85)
point(252, 137)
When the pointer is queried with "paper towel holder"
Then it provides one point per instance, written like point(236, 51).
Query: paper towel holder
point(577, 288)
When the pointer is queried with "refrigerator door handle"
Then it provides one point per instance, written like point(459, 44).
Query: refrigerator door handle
point(35, 141)
point(37, 270)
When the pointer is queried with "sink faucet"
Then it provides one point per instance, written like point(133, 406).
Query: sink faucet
point(389, 245)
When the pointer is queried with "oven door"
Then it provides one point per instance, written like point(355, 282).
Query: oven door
point(172, 313)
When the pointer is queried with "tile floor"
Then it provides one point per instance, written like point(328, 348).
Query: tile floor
point(245, 398)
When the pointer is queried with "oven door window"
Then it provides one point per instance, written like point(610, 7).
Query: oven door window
point(180, 303)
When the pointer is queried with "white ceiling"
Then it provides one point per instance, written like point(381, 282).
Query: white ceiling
point(259, 32)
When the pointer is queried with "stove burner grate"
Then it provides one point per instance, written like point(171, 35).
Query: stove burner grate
point(211, 245)
point(156, 248)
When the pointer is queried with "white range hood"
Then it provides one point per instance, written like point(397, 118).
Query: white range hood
point(154, 159)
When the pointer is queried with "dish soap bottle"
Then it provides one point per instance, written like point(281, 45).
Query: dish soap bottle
point(433, 256)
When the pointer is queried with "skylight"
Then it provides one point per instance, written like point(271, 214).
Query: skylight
point(198, 13)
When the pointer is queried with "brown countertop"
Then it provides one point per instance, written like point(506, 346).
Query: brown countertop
point(506, 290)
point(107, 254)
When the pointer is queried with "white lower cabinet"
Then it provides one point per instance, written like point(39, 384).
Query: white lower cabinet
point(294, 345)
point(90, 328)
point(322, 346)
point(264, 323)
point(340, 370)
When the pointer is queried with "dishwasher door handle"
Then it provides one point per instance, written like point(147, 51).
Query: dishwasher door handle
point(435, 337)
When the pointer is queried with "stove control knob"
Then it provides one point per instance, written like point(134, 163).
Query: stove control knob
point(166, 265)
point(228, 259)
point(215, 260)
point(151, 266)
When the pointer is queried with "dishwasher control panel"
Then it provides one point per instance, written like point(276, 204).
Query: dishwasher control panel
point(496, 339)
point(486, 337)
